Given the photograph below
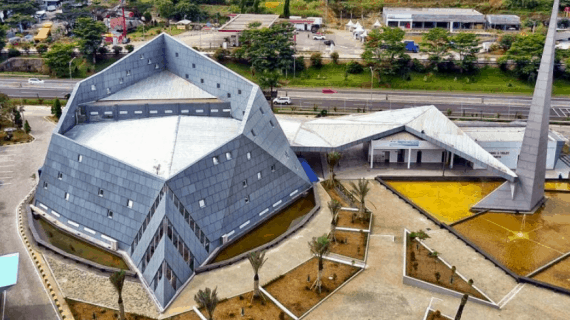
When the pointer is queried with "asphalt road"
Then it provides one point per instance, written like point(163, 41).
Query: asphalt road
point(20, 88)
point(28, 299)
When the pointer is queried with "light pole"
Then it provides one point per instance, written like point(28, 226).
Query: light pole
point(371, 83)
point(70, 67)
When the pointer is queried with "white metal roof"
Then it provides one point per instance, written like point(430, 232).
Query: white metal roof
point(163, 85)
point(8, 270)
point(172, 142)
point(502, 134)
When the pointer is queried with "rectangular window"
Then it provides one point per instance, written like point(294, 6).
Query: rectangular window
point(249, 156)
point(181, 248)
point(259, 175)
point(149, 62)
point(121, 81)
point(187, 76)
point(109, 214)
point(108, 90)
point(253, 133)
point(228, 156)
point(193, 65)
point(169, 232)
point(215, 160)
point(271, 123)
point(176, 54)
point(128, 72)
point(67, 196)
point(229, 95)
point(186, 255)
point(45, 185)
point(156, 66)
point(202, 203)
point(175, 240)
point(129, 203)
point(261, 110)
point(93, 87)
point(79, 158)
point(60, 175)
point(272, 168)
point(239, 91)
point(100, 193)
point(141, 56)
point(201, 80)
point(244, 183)
point(247, 199)
point(218, 85)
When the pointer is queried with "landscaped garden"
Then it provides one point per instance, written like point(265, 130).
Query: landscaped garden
point(258, 309)
point(350, 244)
point(293, 289)
point(80, 248)
point(82, 310)
point(447, 201)
point(270, 229)
point(436, 315)
point(425, 265)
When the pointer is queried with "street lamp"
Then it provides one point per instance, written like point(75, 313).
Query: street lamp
point(371, 83)
point(70, 67)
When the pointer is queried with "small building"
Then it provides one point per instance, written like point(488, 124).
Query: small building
point(44, 32)
point(306, 24)
point(349, 25)
point(509, 22)
point(8, 277)
point(376, 25)
point(563, 36)
point(428, 18)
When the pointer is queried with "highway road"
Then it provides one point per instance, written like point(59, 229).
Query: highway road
point(346, 99)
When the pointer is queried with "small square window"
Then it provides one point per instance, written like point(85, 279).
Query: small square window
point(149, 62)
point(261, 110)
point(121, 81)
point(215, 160)
point(201, 80)
point(80, 158)
point(142, 56)
point(109, 214)
point(128, 72)
point(108, 90)
point(259, 175)
point(129, 203)
point(244, 183)
point(100, 193)
point(247, 199)
point(187, 76)
point(217, 85)
point(271, 123)
point(272, 168)
point(93, 87)
point(239, 91)
point(176, 54)
point(60, 175)
point(45, 185)
point(229, 95)
point(228, 156)
point(156, 66)
point(252, 132)
point(202, 203)
point(194, 66)
point(66, 196)
point(249, 156)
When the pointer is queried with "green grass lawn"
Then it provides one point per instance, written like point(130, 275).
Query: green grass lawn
point(487, 80)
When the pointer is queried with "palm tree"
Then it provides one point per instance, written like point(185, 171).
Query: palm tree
point(434, 255)
point(453, 270)
point(319, 246)
point(334, 207)
point(360, 191)
point(333, 158)
point(461, 306)
point(207, 299)
point(118, 279)
point(257, 259)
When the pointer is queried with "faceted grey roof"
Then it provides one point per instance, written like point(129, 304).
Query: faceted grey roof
point(425, 122)
point(437, 14)
point(172, 142)
point(503, 19)
point(162, 85)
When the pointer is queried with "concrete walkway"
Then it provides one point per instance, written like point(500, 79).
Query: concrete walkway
point(238, 278)
point(378, 292)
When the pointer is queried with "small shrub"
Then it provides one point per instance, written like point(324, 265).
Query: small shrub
point(437, 276)
point(470, 282)
point(315, 107)
point(415, 266)
point(130, 48)
point(449, 112)
point(221, 54)
point(417, 66)
point(13, 53)
point(324, 113)
point(509, 85)
point(413, 256)
point(334, 57)
point(316, 60)
point(354, 67)
point(117, 49)
point(281, 315)
point(240, 297)
point(102, 50)
point(41, 48)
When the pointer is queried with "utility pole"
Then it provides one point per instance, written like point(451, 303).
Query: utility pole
point(70, 67)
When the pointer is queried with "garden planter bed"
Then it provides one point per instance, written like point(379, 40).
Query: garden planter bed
point(356, 246)
point(231, 309)
point(292, 291)
point(345, 221)
point(428, 266)
point(190, 315)
point(432, 316)
point(82, 310)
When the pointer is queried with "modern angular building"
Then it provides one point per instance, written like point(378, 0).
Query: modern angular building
point(165, 155)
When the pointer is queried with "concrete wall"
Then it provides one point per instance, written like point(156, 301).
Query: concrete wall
point(24, 65)
point(508, 151)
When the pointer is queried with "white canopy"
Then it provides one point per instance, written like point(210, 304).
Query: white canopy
point(376, 24)
point(357, 25)
point(350, 24)
point(358, 29)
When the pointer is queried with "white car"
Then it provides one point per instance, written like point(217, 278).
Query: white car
point(319, 37)
point(282, 100)
point(35, 81)
point(51, 8)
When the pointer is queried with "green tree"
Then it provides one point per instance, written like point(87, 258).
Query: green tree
point(334, 207)
point(2, 36)
point(90, 33)
point(256, 259)
point(118, 279)
point(286, 10)
point(316, 60)
point(17, 118)
point(27, 127)
point(41, 48)
point(506, 41)
point(130, 48)
point(383, 48)
point(20, 20)
point(320, 247)
point(466, 45)
point(436, 43)
point(360, 191)
point(333, 158)
point(165, 8)
point(57, 59)
point(56, 108)
point(334, 57)
point(268, 48)
point(208, 300)
point(269, 79)
point(186, 9)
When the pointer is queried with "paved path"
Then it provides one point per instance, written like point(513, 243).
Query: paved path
point(378, 292)
point(238, 278)
point(28, 298)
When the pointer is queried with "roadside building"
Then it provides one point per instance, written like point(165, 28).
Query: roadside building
point(306, 24)
point(8, 277)
point(509, 22)
point(428, 18)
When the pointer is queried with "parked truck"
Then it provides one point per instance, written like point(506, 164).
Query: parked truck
point(411, 46)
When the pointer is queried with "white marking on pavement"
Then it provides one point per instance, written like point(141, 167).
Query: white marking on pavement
point(555, 112)
point(5, 184)
point(510, 295)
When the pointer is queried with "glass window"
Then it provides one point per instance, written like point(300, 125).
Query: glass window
point(175, 240)
point(109, 214)
point(215, 160)
point(202, 203)
point(129, 203)
point(181, 248)
point(244, 183)
point(100, 192)
point(60, 175)
point(259, 175)
point(186, 254)
point(169, 233)
point(249, 156)
point(273, 168)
